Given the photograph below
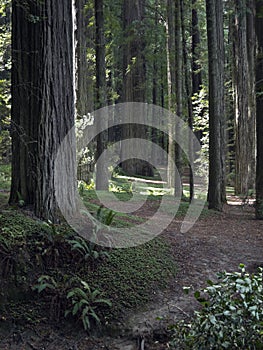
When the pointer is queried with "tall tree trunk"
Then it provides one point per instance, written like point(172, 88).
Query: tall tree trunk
point(188, 90)
point(134, 79)
point(179, 100)
point(196, 72)
point(171, 81)
point(251, 55)
point(101, 96)
point(42, 105)
point(259, 90)
point(83, 84)
point(242, 83)
point(196, 80)
point(216, 190)
point(155, 87)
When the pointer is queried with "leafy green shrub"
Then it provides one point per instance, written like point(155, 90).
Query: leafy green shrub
point(85, 303)
point(51, 246)
point(231, 316)
point(87, 250)
point(55, 290)
point(71, 295)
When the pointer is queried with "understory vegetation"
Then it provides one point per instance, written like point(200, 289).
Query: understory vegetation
point(49, 273)
point(231, 316)
point(71, 277)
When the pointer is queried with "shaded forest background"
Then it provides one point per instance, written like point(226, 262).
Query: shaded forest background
point(200, 60)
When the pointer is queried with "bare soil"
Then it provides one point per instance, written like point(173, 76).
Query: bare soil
point(218, 242)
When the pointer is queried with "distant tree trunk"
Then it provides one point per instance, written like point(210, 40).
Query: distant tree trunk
point(216, 190)
point(134, 79)
point(188, 90)
point(179, 101)
point(85, 44)
point(259, 90)
point(155, 87)
point(196, 72)
point(243, 82)
point(171, 82)
point(251, 55)
point(83, 84)
point(101, 95)
point(42, 105)
point(196, 80)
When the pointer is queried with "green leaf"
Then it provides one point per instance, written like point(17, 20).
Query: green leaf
point(95, 316)
point(75, 309)
point(197, 294)
point(103, 301)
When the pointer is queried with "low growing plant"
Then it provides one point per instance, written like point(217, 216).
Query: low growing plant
point(231, 316)
point(86, 249)
point(84, 304)
point(54, 288)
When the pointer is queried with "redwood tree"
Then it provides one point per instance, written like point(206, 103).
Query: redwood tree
point(259, 89)
point(216, 189)
point(134, 78)
point(101, 95)
point(42, 104)
point(243, 82)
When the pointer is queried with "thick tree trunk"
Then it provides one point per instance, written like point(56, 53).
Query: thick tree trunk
point(259, 90)
point(216, 190)
point(134, 79)
point(243, 82)
point(101, 96)
point(42, 105)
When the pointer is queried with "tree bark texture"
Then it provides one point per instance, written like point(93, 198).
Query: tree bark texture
point(243, 83)
point(196, 72)
point(259, 90)
point(171, 82)
point(179, 100)
point(42, 104)
point(216, 190)
point(101, 96)
point(189, 92)
point(85, 39)
point(134, 79)
point(251, 55)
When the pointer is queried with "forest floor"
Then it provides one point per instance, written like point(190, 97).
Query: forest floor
point(217, 242)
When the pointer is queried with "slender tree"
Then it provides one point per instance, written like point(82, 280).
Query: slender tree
point(42, 105)
point(196, 69)
point(171, 82)
point(84, 84)
point(179, 76)
point(216, 190)
point(101, 95)
point(259, 90)
point(251, 55)
point(188, 90)
point(243, 82)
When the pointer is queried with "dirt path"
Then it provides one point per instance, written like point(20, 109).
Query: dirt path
point(217, 242)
